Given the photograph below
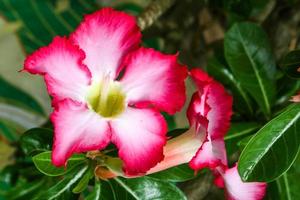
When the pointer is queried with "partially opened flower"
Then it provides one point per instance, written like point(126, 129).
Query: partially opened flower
point(202, 145)
point(209, 115)
point(106, 88)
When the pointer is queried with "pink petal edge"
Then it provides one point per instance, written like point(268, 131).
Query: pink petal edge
point(76, 130)
point(106, 36)
point(140, 135)
point(238, 190)
point(61, 65)
point(153, 78)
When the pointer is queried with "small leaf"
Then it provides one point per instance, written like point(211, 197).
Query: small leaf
point(248, 53)
point(23, 191)
point(84, 181)
point(291, 64)
point(241, 129)
point(241, 99)
point(43, 163)
point(64, 185)
point(36, 140)
point(95, 194)
point(176, 174)
point(146, 188)
point(273, 149)
point(10, 93)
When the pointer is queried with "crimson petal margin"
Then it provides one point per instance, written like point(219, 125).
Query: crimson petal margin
point(106, 36)
point(238, 190)
point(140, 135)
point(61, 64)
point(219, 101)
point(153, 78)
point(76, 130)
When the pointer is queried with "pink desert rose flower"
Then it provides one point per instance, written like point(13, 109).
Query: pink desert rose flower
point(203, 145)
point(106, 88)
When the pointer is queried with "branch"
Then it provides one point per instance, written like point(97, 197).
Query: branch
point(153, 11)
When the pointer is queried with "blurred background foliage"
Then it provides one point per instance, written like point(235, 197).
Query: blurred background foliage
point(195, 28)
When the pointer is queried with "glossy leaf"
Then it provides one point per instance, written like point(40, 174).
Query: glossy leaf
point(15, 96)
point(249, 56)
point(291, 64)
point(239, 129)
point(175, 174)
point(49, 19)
point(84, 181)
point(43, 163)
point(241, 99)
point(64, 185)
point(146, 188)
point(36, 140)
point(23, 191)
point(237, 133)
point(276, 145)
point(95, 194)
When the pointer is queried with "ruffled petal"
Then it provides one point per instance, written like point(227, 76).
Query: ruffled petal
point(238, 190)
point(76, 130)
point(156, 79)
point(61, 65)
point(140, 135)
point(212, 103)
point(211, 154)
point(106, 36)
point(218, 100)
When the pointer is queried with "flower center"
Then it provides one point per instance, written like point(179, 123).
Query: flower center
point(106, 98)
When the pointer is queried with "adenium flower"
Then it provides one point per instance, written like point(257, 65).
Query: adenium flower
point(203, 146)
point(106, 88)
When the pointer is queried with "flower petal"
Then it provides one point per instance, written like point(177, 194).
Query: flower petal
point(154, 78)
point(140, 135)
point(238, 190)
point(219, 101)
point(60, 63)
point(106, 36)
point(211, 154)
point(76, 129)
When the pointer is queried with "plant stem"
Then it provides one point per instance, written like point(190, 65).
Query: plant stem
point(153, 11)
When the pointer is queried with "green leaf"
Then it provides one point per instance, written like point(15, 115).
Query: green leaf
point(64, 185)
point(43, 163)
point(249, 56)
point(237, 132)
point(273, 149)
point(84, 181)
point(36, 140)
point(11, 94)
point(287, 185)
point(291, 64)
point(176, 174)
point(239, 129)
point(96, 193)
point(23, 191)
point(146, 188)
point(42, 20)
point(241, 99)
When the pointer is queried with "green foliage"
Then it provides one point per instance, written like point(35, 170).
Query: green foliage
point(250, 58)
point(36, 140)
point(62, 186)
point(144, 188)
point(180, 173)
point(242, 61)
point(43, 163)
point(291, 64)
point(276, 145)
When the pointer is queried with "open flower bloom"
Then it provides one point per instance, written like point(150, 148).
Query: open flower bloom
point(202, 145)
point(106, 88)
